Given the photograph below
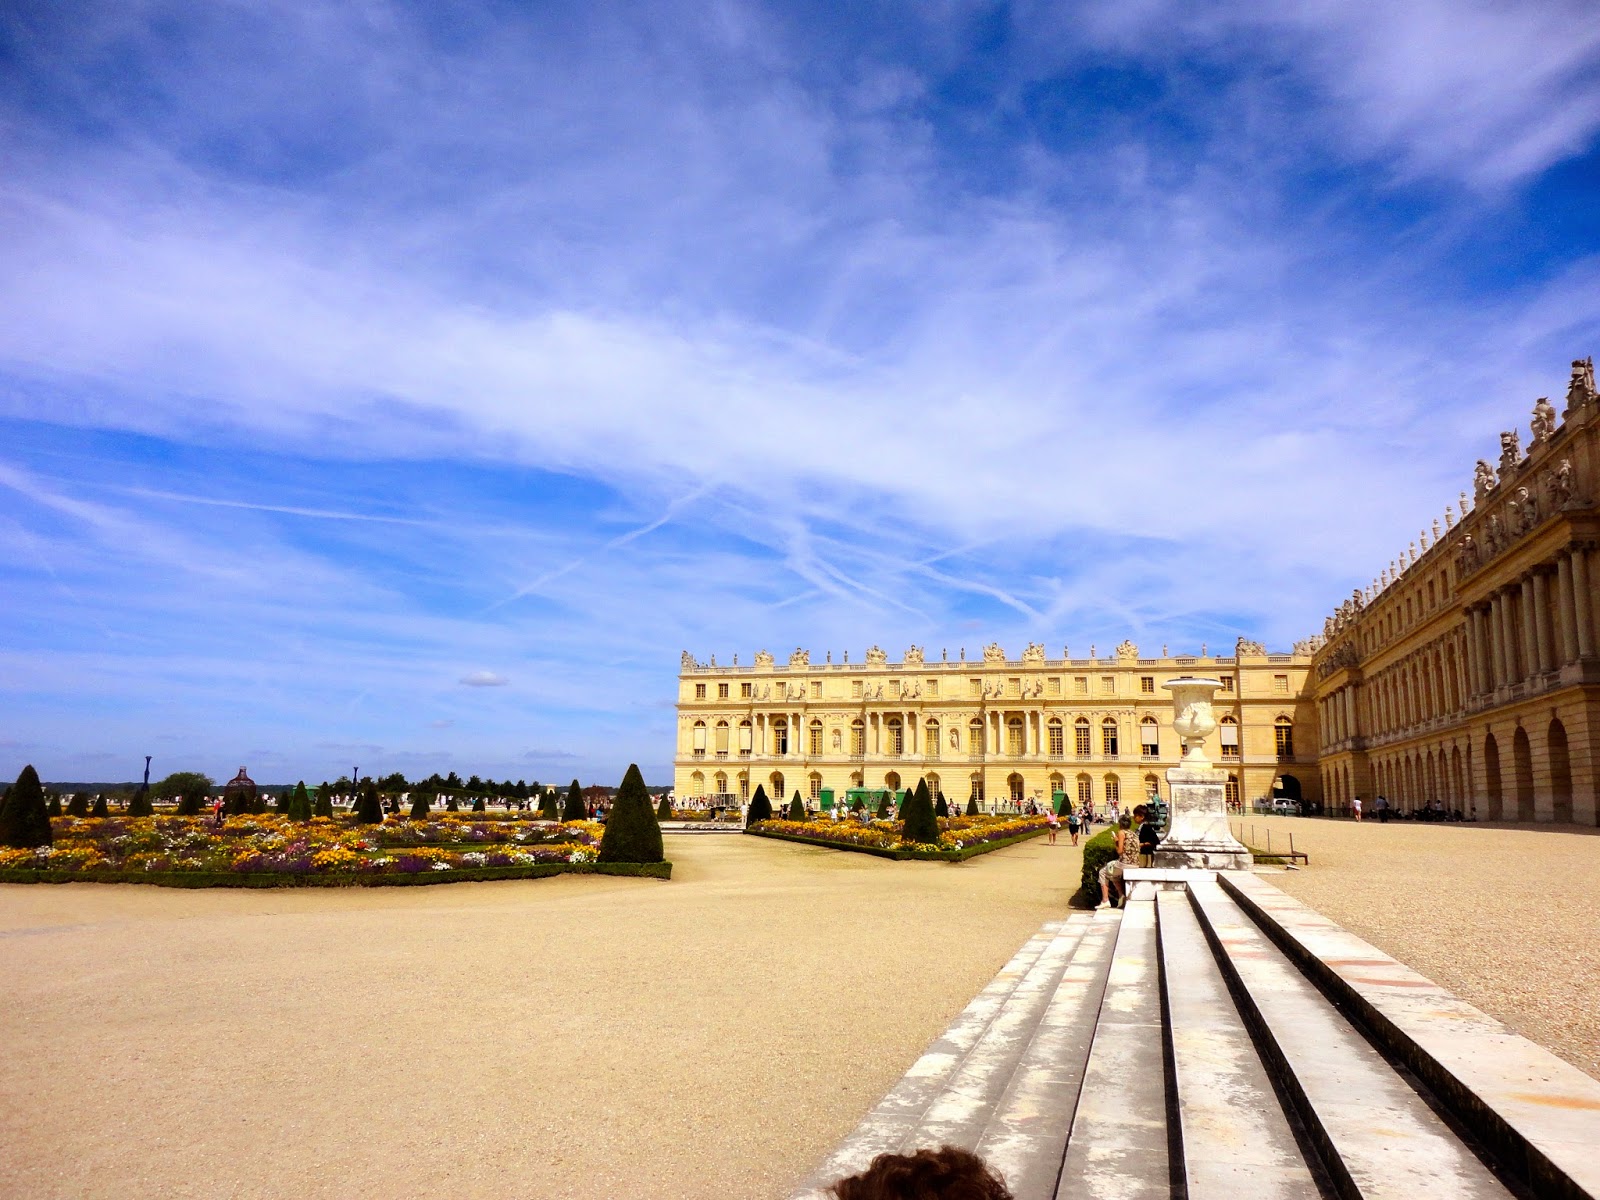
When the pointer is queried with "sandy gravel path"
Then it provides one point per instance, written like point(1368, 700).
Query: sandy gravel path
point(708, 1037)
point(1505, 916)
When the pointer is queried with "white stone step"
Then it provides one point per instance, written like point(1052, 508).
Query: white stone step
point(1118, 1143)
point(962, 1108)
point(1539, 1116)
point(1026, 1137)
point(1377, 1137)
point(886, 1127)
point(1237, 1142)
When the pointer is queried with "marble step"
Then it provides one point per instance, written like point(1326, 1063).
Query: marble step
point(1237, 1143)
point(1539, 1116)
point(886, 1127)
point(1376, 1135)
point(958, 1114)
point(1026, 1136)
point(1117, 1146)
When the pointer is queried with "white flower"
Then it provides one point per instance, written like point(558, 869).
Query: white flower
point(441, 866)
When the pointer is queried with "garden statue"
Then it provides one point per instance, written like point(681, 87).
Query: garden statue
point(1558, 485)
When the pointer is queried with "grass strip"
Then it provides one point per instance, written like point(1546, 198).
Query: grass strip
point(271, 879)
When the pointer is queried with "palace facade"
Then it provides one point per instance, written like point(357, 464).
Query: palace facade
point(1004, 730)
point(1468, 675)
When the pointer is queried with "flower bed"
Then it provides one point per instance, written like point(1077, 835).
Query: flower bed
point(959, 837)
point(279, 851)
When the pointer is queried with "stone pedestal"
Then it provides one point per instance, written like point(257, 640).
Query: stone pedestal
point(1197, 828)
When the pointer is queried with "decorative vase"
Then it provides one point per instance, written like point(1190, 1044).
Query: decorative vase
point(1192, 717)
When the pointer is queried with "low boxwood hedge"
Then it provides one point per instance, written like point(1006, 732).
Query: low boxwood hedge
point(268, 879)
point(1097, 852)
point(960, 855)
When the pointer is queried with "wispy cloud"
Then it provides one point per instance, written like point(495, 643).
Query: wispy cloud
point(484, 679)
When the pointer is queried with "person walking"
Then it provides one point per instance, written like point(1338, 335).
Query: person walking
point(1055, 824)
point(1382, 805)
point(1074, 823)
point(1355, 809)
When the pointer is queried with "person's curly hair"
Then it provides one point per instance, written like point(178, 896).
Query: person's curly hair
point(948, 1173)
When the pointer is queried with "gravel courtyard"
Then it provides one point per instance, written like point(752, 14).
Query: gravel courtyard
point(708, 1037)
point(581, 1036)
point(1502, 915)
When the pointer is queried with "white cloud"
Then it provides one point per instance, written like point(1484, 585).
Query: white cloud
point(484, 679)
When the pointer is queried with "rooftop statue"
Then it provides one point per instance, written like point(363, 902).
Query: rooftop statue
point(763, 659)
point(914, 656)
point(800, 658)
point(1580, 389)
point(1543, 425)
point(1510, 451)
point(876, 657)
point(687, 662)
point(1558, 485)
point(1483, 481)
point(1034, 653)
point(993, 653)
point(1245, 646)
point(1524, 509)
point(1127, 649)
point(1466, 555)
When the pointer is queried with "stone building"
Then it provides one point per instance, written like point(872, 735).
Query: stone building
point(1468, 675)
point(1005, 730)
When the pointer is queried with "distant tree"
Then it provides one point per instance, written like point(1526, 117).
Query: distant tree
point(760, 807)
point(369, 809)
point(100, 808)
point(452, 782)
point(393, 782)
point(632, 834)
point(797, 808)
point(940, 808)
point(575, 810)
point(972, 805)
point(920, 825)
point(520, 792)
point(419, 805)
point(188, 788)
point(474, 784)
point(664, 809)
point(324, 805)
point(297, 803)
point(24, 821)
point(78, 806)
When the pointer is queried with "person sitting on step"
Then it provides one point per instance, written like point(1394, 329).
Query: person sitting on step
point(948, 1173)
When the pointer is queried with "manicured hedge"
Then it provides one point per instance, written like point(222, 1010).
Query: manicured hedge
point(264, 879)
point(1097, 852)
point(960, 855)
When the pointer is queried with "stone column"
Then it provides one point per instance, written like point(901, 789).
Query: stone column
point(1530, 629)
point(1497, 639)
point(1565, 609)
point(1541, 622)
point(1582, 601)
point(1470, 647)
point(1485, 652)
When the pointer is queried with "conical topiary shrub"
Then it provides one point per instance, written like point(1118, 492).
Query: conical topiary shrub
point(24, 821)
point(883, 807)
point(369, 809)
point(760, 807)
point(575, 810)
point(972, 805)
point(549, 809)
point(78, 806)
point(140, 805)
point(632, 834)
point(451, 804)
point(919, 823)
point(100, 808)
point(940, 808)
point(299, 806)
point(664, 810)
point(54, 807)
point(797, 808)
point(478, 805)
point(419, 806)
point(324, 802)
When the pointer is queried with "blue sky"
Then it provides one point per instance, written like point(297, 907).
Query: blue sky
point(406, 386)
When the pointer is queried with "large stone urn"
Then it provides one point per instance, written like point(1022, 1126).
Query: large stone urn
point(1197, 828)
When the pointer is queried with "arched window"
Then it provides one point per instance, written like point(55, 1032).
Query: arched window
point(1080, 737)
point(1058, 788)
point(1108, 737)
point(697, 784)
point(858, 736)
point(1149, 738)
point(746, 740)
point(815, 743)
point(1085, 791)
point(1014, 787)
point(855, 779)
point(722, 739)
point(744, 787)
point(1113, 790)
point(777, 787)
point(721, 783)
point(930, 740)
point(1014, 737)
point(814, 785)
point(933, 786)
point(1230, 794)
point(896, 737)
point(1058, 747)
point(1228, 732)
point(780, 736)
point(975, 737)
point(892, 781)
point(1152, 788)
point(975, 786)
point(1283, 731)
point(699, 739)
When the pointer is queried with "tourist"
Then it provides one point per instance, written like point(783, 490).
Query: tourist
point(1074, 823)
point(1382, 805)
point(1055, 824)
point(948, 1172)
point(1148, 837)
point(1127, 856)
point(1355, 809)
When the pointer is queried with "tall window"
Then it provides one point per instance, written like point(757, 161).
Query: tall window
point(858, 737)
point(1080, 685)
point(1147, 685)
point(975, 737)
point(814, 784)
point(816, 689)
point(931, 688)
point(1113, 790)
point(1085, 790)
point(1108, 737)
point(975, 786)
point(722, 691)
point(1228, 731)
point(816, 739)
point(896, 737)
point(699, 691)
point(721, 784)
point(1108, 685)
point(722, 739)
point(746, 739)
point(780, 736)
point(1057, 741)
point(746, 690)
point(1230, 791)
point(855, 689)
point(744, 788)
point(697, 784)
point(975, 688)
point(894, 689)
point(1280, 685)
point(777, 787)
point(1052, 686)
point(1149, 738)
point(1014, 737)
point(930, 740)
point(699, 739)
point(1283, 730)
point(1080, 737)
